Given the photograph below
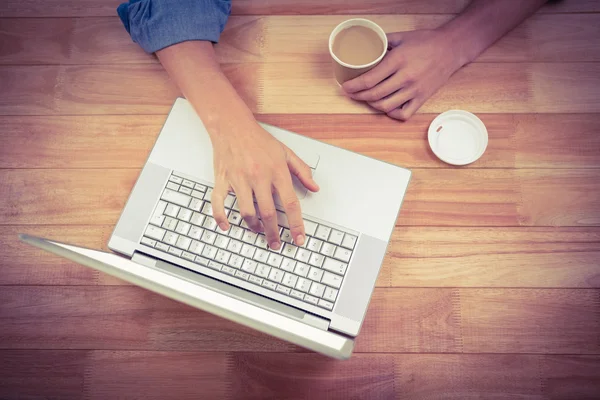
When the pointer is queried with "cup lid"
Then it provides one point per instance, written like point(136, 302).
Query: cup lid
point(457, 137)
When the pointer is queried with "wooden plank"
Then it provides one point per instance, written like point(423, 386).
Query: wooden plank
point(290, 39)
point(88, 8)
point(436, 197)
point(549, 321)
point(516, 140)
point(530, 320)
point(276, 88)
point(570, 377)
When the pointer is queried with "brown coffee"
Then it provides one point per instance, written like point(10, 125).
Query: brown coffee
point(357, 45)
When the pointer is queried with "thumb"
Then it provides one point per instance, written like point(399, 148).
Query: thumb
point(301, 170)
point(395, 38)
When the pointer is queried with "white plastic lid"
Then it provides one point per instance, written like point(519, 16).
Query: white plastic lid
point(458, 137)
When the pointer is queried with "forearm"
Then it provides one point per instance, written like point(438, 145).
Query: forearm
point(194, 68)
point(483, 22)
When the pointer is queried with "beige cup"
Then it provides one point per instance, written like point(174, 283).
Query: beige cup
point(344, 72)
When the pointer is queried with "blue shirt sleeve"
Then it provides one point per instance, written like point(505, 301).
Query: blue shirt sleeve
point(156, 24)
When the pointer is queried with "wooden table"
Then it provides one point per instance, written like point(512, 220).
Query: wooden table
point(491, 285)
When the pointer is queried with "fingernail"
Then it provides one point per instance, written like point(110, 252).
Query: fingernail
point(223, 226)
point(274, 245)
point(300, 240)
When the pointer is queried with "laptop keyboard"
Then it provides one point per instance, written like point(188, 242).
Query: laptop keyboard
point(182, 225)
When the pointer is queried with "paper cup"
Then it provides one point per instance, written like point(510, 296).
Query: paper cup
point(343, 71)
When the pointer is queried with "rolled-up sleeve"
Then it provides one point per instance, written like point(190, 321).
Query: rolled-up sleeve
point(156, 24)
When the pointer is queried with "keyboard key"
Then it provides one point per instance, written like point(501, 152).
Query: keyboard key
point(311, 299)
point(171, 238)
point(222, 241)
point(183, 242)
point(315, 274)
point(343, 254)
point(249, 237)
point(236, 232)
point(160, 207)
point(276, 275)
point(303, 255)
point(176, 179)
point(196, 204)
point(332, 280)
point(297, 294)
point(171, 210)
point(236, 261)
point(261, 241)
point(349, 241)
point(175, 252)
point(209, 251)
point(215, 265)
point(155, 232)
point(325, 304)
point(283, 289)
point(196, 247)
point(182, 228)
point(261, 255)
point(185, 190)
point(286, 236)
point(248, 251)
point(289, 250)
point(336, 237)
point(316, 259)
point(242, 275)
point(263, 270)
point(236, 206)
point(274, 260)
point(249, 266)
point(170, 223)
point(208, 194)
point(289, 279)
point(162, 247)
point(207, 209)
point(229, 201)
point(209, 237)
point(317, 289)
point(197, 194)
point(314, 244)
point(335, 266)
point(210, 223)
point(310, 227)
point(328, 249)
point(195, 232)
point(157, 220)
point(256, 280)
point(188, 256)
point(173, 186)
point(188, 183)
point(202, 261)
point(269, 284)
point(301, 269)
point(330, 294)
point(223, 256)
point(200, 187)
point(197, 219)
point(228, 270)
point(148, 242)
point(303, 284)
point(323, 232)
point(184, 214)
point(288, 265)
point(234, 246)
point(175, 197)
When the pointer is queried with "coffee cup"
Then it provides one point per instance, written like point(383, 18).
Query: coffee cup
point(356, 46)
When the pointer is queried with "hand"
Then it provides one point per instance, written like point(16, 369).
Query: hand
point(250, 161)
point(419, 63)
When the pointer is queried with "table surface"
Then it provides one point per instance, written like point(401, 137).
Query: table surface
point(490, 287)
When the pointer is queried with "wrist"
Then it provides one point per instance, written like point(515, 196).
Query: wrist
point(462, 44)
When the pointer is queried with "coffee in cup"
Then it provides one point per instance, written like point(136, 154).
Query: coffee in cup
point(356, 46)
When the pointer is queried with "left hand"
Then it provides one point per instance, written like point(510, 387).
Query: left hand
point(419, 63)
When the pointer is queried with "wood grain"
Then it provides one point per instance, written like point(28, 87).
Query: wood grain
point(290, 39)
point(414, 320)
point(85, 8)
point(569, 140)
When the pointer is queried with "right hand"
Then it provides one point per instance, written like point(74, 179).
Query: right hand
point(250, 161)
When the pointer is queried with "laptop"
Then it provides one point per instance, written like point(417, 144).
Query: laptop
point(315, 296)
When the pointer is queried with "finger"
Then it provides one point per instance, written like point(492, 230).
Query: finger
point(371, 78)
point(383, 89)
point(217, 200)
point(407, 110)
point(268, 214)
point(395, 38)
point(393, 101)
point(291, 205)
point(301, 171)
point(247, 209)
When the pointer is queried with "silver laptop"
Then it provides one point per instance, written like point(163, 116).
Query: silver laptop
point(315, 296)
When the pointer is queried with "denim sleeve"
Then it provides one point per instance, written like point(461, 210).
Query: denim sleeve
point(156, 24)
